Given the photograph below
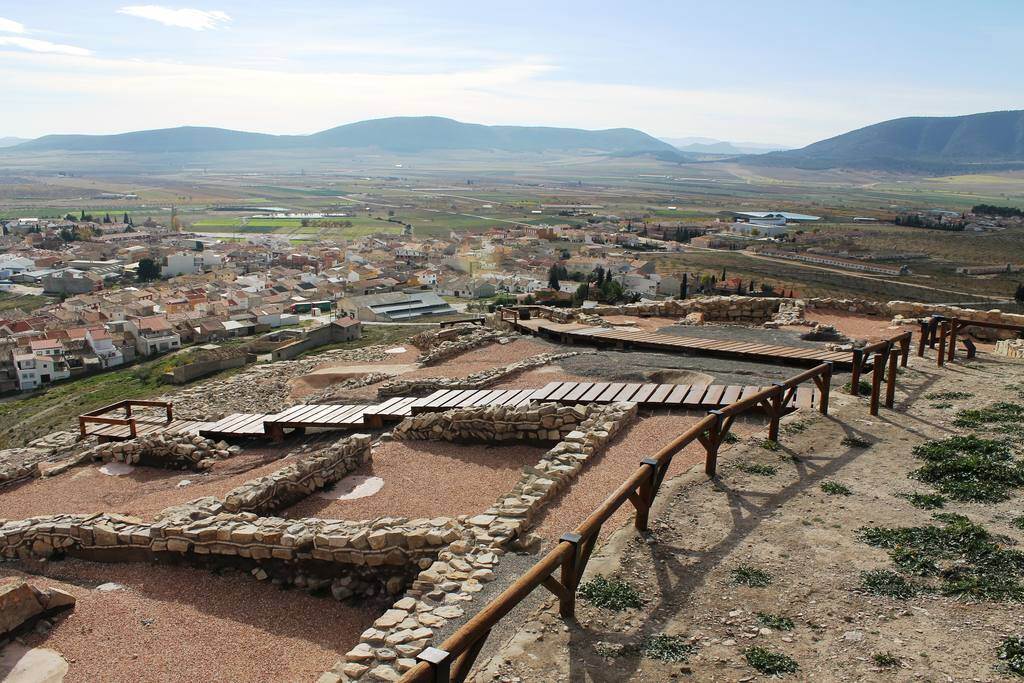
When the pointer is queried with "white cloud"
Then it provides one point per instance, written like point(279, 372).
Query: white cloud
point(33, 45)
point(186, 17)
point(11, 26)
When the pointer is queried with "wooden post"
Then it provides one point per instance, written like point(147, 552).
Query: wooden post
point(440, 662)
point(711, 443)
point(81, 428)
point(132, 428)
point(645, 495)
point(952, 339)
point(825, 388)
point(940, 359)
point(775, 402)
point(905, 348)
point(858, 362)
point(922, 340)
point(890, 384)
point(876, 382)
point(127, 409)
point(170, 412)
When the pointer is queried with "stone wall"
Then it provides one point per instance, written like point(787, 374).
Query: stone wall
point(453, 341)
point(170, 451)
point(477, 380)
point(729, 309)
point(493, 424)
point(435, 596)
point(291, 484)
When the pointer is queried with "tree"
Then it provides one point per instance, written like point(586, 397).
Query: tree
point(723, 274)
point(684, 286)
point(82, 217)
point(582, 292)
point(1019, 294)
point(148, 270)
point(125, 219)
point(553, 278)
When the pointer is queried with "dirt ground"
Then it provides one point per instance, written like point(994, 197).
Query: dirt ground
point(179, 625)
point(143, 492)
point(428, 479)
point(806, 540)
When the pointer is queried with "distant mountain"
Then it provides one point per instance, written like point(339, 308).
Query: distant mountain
point(942, 144)
point(399, 134)
point(11, 142)
point(697, 145)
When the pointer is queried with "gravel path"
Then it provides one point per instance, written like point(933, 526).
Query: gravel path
point(142, 493)
point(174, 624)
point(428, 479)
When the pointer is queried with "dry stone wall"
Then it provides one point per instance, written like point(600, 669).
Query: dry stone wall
point(493, 424)
point(466, 338)
point(291, 484)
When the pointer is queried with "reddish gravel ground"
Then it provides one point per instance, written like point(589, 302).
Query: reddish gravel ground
point(429, 479)
point(856, 326)
point(538, 377)
point(483, 358)
point(648, 324)
point(641, 440)
point(142, 493)
point(174, 624)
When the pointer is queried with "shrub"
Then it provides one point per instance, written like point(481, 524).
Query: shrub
point(610, 594)
point(769, 662)
point(925, 501)
point(864, 388)
point(854, 442)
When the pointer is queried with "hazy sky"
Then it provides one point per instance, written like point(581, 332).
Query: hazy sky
point(772, 71)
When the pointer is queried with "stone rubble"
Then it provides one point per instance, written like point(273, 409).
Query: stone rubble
point(170, 451)
point(493, 424)
point(439, 345)
point(336, 392)
point(477, 380)
point(264, 387)
point(22, 604)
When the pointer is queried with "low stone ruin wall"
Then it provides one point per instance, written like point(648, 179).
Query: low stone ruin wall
point(478, 380)
point(22, 604)
point(493, 424)
point(285, 549)
point(736, 309)
point(294, 482)
point(443, 344)
point(389, 648)
point(335, 393)
point(177, 451)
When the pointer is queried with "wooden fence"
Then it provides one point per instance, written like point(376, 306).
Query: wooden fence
point(454, 658)
point(98, 416)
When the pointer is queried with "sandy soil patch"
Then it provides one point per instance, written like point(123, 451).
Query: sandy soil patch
point(181, 624)
point(857, 326)
point(428, 479)
point(142, 492)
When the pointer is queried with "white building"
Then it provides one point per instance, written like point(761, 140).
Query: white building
point(189, 263)
point(153, 335)
point(42, 364)
point(102, 345)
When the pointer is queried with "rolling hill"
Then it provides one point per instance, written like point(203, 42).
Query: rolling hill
point(398, 134)
point(919, 143)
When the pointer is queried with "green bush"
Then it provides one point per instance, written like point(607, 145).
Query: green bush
point(968, 468)
point(769, 662)
point(612, 594)
point(745, 575)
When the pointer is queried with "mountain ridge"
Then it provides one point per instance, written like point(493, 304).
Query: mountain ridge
point(395, 134)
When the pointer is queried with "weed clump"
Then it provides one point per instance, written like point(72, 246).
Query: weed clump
point(925, 501)
point(775, 621)
point(1011, 651)
point(667, 648)
point(948, 395)
point(885, 660)
point(887, 584)
point(834, 488)
point(854, 442)
point(1018, 522)
point(758, 469)
point(769, 445)
point(863, 388)
point(610, 594)
point(964, 558)
point(1002, 417)
point(967, 468)
point(769, 662)
point(745, 575)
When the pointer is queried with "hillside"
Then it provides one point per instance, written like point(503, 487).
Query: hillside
point(398, 134)
point(926, 143)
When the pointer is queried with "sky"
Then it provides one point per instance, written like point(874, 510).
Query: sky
point(784, 72)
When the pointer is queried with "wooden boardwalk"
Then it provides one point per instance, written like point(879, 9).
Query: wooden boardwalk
point(110, 432)
point(626, 338)
point(351, 417)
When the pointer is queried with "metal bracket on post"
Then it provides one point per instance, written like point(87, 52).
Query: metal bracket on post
point(440, 662)
point(571, 572)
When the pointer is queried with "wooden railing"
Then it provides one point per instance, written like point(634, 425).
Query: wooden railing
point(509, 315)
point(949, 328)
point(868, 356)
point(98, 416)
point(454, 658)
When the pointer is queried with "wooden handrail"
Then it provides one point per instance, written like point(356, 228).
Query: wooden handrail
point(454, 658)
